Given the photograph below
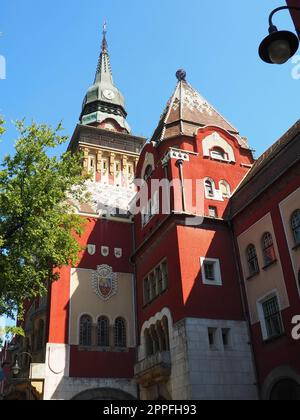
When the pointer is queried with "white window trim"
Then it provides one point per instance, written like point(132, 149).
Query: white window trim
point(217, 194)
point(218, 281)
point(261, 315)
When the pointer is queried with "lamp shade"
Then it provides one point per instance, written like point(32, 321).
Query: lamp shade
point(278, 47)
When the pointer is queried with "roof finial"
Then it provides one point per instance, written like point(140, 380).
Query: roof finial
point(104, 42)
point(181, 75)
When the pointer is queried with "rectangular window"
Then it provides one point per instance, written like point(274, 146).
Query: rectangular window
point(209, 268)
point(226, 337)
point(212, 334)
point(213, 212)
point(165, 280)
point(272, 318)
point(159, 278)
point(152, 286)
point(156, 282)
point(211, 271)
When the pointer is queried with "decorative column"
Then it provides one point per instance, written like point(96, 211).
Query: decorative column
point(112, 163)
point(99, 161)
point(85, 160)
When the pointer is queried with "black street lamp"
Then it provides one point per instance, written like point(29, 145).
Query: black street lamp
point(279, 46)
point(16, 367)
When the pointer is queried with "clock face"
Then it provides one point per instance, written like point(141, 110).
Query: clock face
point(108, 94)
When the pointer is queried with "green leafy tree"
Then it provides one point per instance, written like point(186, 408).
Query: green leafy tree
point(37, 225)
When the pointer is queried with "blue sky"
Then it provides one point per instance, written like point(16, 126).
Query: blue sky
point(51, 49)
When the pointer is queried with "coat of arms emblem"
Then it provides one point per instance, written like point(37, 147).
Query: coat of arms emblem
point(91, 249)
point(105, 251)
point(118, 252)
point(105, 283)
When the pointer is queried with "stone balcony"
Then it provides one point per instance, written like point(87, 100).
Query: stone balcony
point(154, 369)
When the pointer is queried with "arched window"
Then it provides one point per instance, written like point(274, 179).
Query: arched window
point(225, 189)
point(252, 260)
point(120, 333)
point(103, 332)
point(295, 221)
point(209, 188)
point(268, 248)
point(40, 335)
point(218, 153)
point(85, 333)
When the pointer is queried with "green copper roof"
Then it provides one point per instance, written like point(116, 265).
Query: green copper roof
point(103, 99)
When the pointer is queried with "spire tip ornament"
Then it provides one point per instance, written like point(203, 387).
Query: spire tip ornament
point(181, 75)
point(104, 42)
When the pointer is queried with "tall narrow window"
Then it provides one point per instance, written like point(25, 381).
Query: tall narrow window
point(252, 260)
point(159, 279)
point(85, 338)
point(268, 249)
point(152, 286)
point(120, 333)
point(103, 332)
point(272, 317)
point(209, 188)
point(165, 275)
point(296, 226)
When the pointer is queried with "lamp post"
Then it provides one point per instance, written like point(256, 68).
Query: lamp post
point(279, 46)
point(16, 369)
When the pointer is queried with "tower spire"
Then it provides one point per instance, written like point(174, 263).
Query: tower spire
point(104, 42)
point(103, 72)
point(104, 104)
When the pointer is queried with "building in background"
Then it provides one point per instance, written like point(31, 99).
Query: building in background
point(190, 302)
point(265, 213)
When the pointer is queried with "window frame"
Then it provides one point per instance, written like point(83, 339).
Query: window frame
point(99, 335)
point(152, 278)
point(251, 259)
point(264, 327)
point(268, 249)
point(90, 331)
point(123, 343)
point(295, 225)
point(217, 270)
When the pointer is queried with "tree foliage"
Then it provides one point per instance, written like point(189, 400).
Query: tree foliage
point(37, 225)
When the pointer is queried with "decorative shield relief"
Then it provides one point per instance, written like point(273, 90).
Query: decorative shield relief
point(118, 252)
point(92, 249)
point(105, 251)
point(105, 283)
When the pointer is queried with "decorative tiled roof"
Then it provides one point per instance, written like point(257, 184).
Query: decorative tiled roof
point(187, 111)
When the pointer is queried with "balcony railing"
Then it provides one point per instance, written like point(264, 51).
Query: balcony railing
point(153, 369)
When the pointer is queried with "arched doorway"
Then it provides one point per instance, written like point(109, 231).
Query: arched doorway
point(104, 394)
point(285, 390)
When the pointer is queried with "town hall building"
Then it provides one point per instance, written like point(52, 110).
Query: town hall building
point(192, 303)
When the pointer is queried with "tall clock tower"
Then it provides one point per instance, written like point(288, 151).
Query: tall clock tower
point(92, 329)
